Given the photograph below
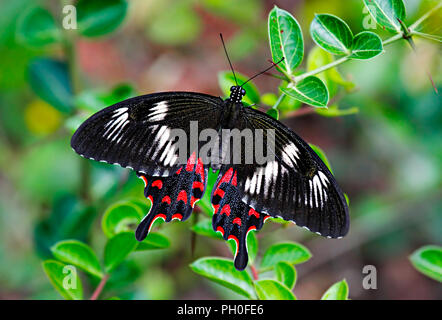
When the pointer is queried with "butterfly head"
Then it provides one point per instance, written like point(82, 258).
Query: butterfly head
point(237, 93)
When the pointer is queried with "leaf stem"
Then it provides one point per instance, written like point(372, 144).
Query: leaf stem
point(426, 36)
point(100, 287)
point(254, 272)
point(425, 16)
point(278, 102)
point(341, 60)
point(321, 69)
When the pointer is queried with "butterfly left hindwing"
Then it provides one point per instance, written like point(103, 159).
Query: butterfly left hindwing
point(294, 184)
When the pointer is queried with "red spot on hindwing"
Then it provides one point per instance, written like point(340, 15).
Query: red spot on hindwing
point(219, 192)
point(251, 228)
point(252, 212)
point(226, 177)
point(237, 243)
point(191, 162)
point(182, 196)
point(237, 220)
point(198, 185)
point(226, 209)
point(158, 184)
point(144, 179)
point(166, 199)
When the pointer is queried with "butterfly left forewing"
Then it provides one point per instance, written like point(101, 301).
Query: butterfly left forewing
point(137, 133)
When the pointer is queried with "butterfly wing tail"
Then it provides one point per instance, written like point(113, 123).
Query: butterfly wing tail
point(234, 219)
point(173, 197)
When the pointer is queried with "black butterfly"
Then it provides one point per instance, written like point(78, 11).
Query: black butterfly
point(296, 186)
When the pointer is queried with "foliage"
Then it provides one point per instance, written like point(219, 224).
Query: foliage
point(428, 260)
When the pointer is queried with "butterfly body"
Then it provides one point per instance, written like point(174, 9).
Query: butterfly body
point(294, 184)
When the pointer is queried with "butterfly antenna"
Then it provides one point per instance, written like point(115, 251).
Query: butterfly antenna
point(260, 73)
point(227, 55)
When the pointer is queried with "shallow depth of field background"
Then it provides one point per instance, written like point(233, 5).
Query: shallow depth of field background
point(387, 158)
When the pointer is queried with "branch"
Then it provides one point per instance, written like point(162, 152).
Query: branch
point(341, 61)
point(100, 287)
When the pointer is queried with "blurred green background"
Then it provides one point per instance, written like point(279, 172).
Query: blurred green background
point(387, 158)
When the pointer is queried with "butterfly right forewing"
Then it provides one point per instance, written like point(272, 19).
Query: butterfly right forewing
point(296, 185)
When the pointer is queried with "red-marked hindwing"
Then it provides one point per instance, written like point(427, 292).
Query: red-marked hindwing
point(173, 197)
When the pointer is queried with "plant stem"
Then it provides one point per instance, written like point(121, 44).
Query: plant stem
point(321, 69)
point(278, 102)
point(402, 35)
point(99, 288)
point(426, 36)
point(254, 272)
point(393, 39)
point(340, 61)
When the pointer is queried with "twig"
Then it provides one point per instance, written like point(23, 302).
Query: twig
point(300, 112)
point(340, 61)
point(255, 273)
point(425, 16)
point(99, 288)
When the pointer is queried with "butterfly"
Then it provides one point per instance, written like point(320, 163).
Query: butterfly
point(295, 185)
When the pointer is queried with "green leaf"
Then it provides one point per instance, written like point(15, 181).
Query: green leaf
point(387, 12)
point(226, 81)
point(321, 154)
point(274, 113)
point(36, 27)
point(153, 241)
point(291, 252)
point(428, 260)
point(245, 14)
point(366, 45)
point(338, 291)
point(310, 90)
point(269, 99)
point(273, 290)
point(79, 254)
point(286, 274)
point(204, 228)
point(62, 280)
point(331, 77)
point(97, 17)
point(331, 33)
point(252, 246)
point(286, 40)
point(334, 111)
point(177, 25)
point(222, 271)
point(119, 217)
point(95, 100)
point(50, 81)
point(118, 248)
